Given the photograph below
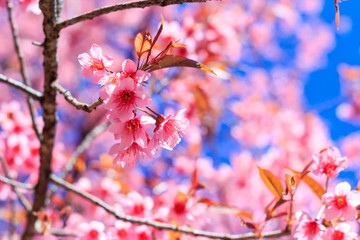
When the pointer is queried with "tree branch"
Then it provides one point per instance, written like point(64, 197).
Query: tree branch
point(30, 101)
point(16, 183)
point(73, 101)
point(19, 85)
point(49, 116)
point(160, 225)
point(84, 145)
point(24, 201)
point(120, 7)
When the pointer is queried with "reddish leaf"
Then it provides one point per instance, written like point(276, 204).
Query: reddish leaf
point(244, 214)
point(314, 185)
point(271, 182)
point(178, 61)
point(142, 43)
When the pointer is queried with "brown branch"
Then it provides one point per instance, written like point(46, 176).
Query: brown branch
point(49, 112)
point(16, 183)
point(160, 225)
point(24, 201)
point(19, 85)
point(73, 101)
point(29, 100)
point(120, 7)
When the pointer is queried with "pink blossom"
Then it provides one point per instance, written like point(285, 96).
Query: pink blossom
point(340, 232)
point(92, 231)
point(307, 228)
point(131, 131)
point(341, 204)
point(95, 63)
point(125, 98)
point(130, 155)
point(129, 70)
point(329, 162)
point(166, 133)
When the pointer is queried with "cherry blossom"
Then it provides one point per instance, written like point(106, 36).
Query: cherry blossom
point(166, 133)
point(340, 232)
point(307, 228)
point(125, 98)
point(95, 63)
point(329, 162)
point(129, 70)
point(341, 204)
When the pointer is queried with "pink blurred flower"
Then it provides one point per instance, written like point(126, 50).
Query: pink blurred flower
point(168, 129)
point(307, 228)
point(329, 162)
point(341, 204)
point(129, 70)
point(125, 98)
point(95, 63)
point(340, 232)
point(92, 231)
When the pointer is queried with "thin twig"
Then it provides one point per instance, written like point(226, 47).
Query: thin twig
point(16, 183)
point(80, 149)
point(19, 85)
point(73, 101)
point(160, 225)
point(119, 7)
point(84, 145)
point(62, 233)
point(24, 201)
point(15, 35)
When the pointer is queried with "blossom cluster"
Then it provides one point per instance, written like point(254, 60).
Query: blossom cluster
point(124, 96)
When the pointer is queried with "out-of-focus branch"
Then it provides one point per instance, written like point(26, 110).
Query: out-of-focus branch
point(160, 225)
point(80, 149)
point(16, 183)
point(84, 145)
point(30, 101)
point(19, 85)
point(62, 233)
point(119, 7)
point(73, 101)
point(24, 201)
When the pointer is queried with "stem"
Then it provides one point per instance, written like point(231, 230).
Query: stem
point(73, 101)
point(30, 101)
point(120, 7)
point(19, 85)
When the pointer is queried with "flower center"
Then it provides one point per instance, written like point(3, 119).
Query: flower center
point(338, 235)
point(312, 227)
point(340, 201)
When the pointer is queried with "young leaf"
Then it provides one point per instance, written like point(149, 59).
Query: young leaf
point(271, 182)
point(314, 185)
point(142, 43)
point(178, 61)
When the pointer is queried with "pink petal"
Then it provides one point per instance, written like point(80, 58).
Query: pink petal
point(128, 84)
point(141, 139)
point(96, 52)
point(108, 61)
point(342, 189)
point(124, 114)
point(142, 76)
point(353, 198)
point(349, 213)
point(331, 213)
point(147, 121)
point(87, 73)
point(129, 66)
point(328, 198)
point(85, 60)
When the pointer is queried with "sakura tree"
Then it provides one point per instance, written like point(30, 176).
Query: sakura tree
point(183, 119)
